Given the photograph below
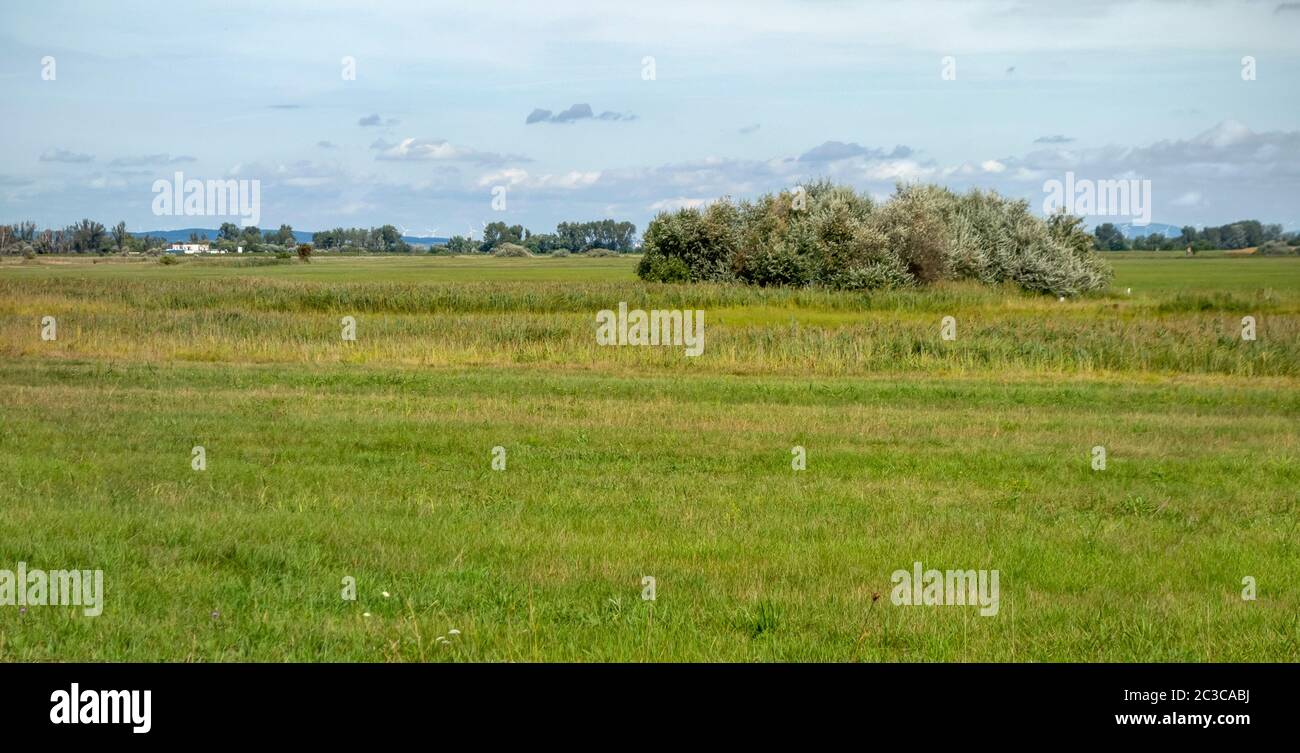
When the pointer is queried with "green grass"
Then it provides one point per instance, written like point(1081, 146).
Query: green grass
point(1217, 274)
point(372, 460)
point(335, 269)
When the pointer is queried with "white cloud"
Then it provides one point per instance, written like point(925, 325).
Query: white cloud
point(570, 179)
point(511, 176)
point(106, 181)
point(517, 177)
point(898, 170)
point(151, 160)
point(681, 202)
point(1227, 133)
point(438, 150)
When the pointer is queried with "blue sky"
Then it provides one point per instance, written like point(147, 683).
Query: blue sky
point(747, 97)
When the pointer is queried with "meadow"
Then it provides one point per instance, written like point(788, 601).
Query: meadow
point(372, 459)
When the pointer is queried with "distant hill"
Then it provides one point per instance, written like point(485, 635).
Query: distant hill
point(302, 236)
point(1131, 231)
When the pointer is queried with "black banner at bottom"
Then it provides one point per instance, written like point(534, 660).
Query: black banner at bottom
point(372, 703)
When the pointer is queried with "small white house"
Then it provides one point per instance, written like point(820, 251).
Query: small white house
point(191, 248)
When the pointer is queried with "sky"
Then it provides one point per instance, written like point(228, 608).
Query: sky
point(420, 114)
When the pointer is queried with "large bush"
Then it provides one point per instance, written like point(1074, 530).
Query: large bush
point(1277, 248)
point(831, 236)
point(511, 250)
point(705, 241)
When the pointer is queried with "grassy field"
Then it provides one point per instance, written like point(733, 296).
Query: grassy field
point(372, 459)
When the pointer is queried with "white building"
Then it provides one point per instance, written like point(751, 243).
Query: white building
point(191, 248)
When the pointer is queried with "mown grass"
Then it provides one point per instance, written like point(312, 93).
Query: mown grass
point(372, 460)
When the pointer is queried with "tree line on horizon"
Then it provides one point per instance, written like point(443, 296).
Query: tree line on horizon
point(90, 236)
point(86, 236)
point(1234, 235)
point(574, 237)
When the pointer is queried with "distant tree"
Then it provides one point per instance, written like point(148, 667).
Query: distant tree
point(390, 239)
point(1239, 234)
point(387, 238)
point(284, 236)
point(44, 242)
point(582, 236)
point(459, 244)
point(1109, 238)
point(572, 235)
point(324, 238)
point(1234, 236)
point(120, 236)
point(542, 243)
point(496, 233)
point(148, 243)
point(14, 237)
point(304, 252)
point(1152, 242)
point(229, 232)
point(87, 236)
point(1253, 230)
